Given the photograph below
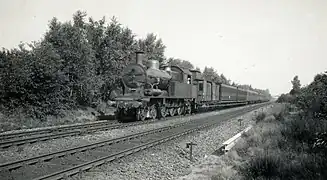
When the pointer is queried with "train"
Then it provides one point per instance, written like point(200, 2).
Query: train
point(155, 91)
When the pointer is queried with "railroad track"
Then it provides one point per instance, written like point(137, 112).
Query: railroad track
point(72, 161)
point(6, 136)
point(38, 135)
point(34, 136)
point(49, 134)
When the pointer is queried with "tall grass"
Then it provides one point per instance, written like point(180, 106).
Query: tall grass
point(285, 147)
point(260, 117)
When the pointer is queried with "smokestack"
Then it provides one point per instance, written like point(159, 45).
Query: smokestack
point(139, 57)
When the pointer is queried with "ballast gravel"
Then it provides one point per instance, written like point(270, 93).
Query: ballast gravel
point(171, 160)
point(40, 148)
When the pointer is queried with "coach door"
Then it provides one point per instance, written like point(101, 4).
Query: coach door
point(200, 90)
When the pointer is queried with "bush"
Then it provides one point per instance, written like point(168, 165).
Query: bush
point(287, 148)
point(279, 116)
point(260, 117)
point(284, 165)
point(261, 166)
point(285, 98)
point(313, 98)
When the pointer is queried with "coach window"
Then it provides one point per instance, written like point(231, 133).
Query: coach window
point(200, 86)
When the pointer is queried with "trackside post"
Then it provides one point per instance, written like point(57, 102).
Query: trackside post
point(190, 145)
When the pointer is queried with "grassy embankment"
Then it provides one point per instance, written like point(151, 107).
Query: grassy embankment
point(285, 145)
point(19, 120)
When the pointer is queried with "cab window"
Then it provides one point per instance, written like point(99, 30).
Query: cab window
point(188, 79)
point(201, 86)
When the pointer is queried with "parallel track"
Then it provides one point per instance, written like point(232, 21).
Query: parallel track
point(64, 132)
point(7, 136)
point(33, 136)
point(75, 160)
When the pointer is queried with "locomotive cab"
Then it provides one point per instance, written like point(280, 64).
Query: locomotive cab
point(181, 84)
point(199, 83)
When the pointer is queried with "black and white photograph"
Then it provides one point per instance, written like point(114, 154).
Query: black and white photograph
point(163, 90)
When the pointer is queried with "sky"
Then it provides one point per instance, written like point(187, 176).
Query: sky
point(259, 42)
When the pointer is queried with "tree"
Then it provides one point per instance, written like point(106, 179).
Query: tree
point(223, 79)
point(181, 63)
point(296, 86)
point(70, 42)
point(95, 36)
point(153, 48)
point(48, 89)
point(114, 47)
point(284, 98)
point(312, 98)
point(211, 74)
point(14, 76)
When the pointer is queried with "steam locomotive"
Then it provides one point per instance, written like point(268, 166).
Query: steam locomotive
point(155, 91)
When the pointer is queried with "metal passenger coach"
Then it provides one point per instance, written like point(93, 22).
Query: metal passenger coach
point(154, 91)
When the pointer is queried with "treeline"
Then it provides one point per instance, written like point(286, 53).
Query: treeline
point(310, 127)
point(311, 99)
point(75, 64)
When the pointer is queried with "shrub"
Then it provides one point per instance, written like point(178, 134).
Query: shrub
point(260, 117)
point(284, 164)
point(285, 98)
point(265, 165)
point(279, 116)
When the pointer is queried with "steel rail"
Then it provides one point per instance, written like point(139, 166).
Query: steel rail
point(4, 136)
point(52, 129)
point(17, 138)
point(38, 159)
point(109, 158)
point(56, 135)
point(33, 160)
